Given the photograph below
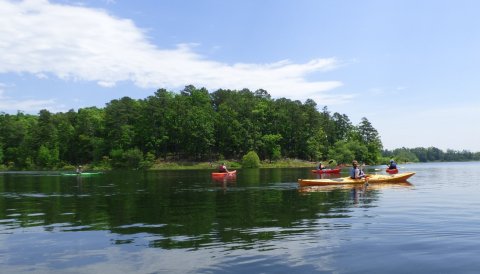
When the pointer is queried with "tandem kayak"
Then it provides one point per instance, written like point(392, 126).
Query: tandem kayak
point(372, 178)
point(224, 174)
point(392, 171)
point(330, 170)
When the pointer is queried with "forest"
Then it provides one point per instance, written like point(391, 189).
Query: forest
point(193, 125)
point(430, 154)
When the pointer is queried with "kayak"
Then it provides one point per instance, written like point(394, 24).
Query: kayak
point(392, 171)
point(82, 174)
point(372, 178)
point(224, 174)
point(321, 171)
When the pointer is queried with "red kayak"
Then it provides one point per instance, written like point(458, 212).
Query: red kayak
point(224, 174)
point(392, 171)
point(321, 171)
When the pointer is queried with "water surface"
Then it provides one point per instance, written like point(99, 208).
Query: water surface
point(185, 222)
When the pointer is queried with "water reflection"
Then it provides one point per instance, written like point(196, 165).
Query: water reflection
point(364, 187)
point(178, 207)
point(256, 210)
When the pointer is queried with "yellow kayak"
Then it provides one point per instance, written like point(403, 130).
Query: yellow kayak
point(371, 178)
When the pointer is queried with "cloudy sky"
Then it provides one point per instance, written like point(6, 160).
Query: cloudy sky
point(410, 67)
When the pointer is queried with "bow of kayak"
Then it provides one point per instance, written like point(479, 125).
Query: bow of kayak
point(222, 174)
point(392, 171)
point(82, 174)
point(373, 178)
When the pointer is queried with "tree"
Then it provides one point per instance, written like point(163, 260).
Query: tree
point(156, 122)
point(251, 160)
point(341, 153)
point(405, 155)
point(194, 125)
point(1, 154)
point(121, 117)
point(47, 157)
point(197, 123)
point(65, 135)
point(271, 147)
point(90, 142)
point(369, 136)
point(341, 126)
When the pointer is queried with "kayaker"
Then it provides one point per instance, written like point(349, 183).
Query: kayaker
point(79, 170)
point(392, 165)
point(223, 168)
point(356, 172)
point(320, 166)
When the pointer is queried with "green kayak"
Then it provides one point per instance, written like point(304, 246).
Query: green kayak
point(82, 174)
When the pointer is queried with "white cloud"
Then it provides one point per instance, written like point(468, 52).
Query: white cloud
point(9, 104)
point(86, 44)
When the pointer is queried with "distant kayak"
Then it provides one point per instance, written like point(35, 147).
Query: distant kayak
point(223, 174)
point(82, 174)
point(373, 178)
point(392, 171)
point(329, 170)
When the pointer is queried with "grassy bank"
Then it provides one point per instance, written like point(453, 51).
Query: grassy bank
point(286, 163)
point(186, 165)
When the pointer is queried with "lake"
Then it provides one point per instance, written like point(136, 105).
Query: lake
point(262, 222)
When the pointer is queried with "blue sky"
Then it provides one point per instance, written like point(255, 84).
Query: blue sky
point(410, 67)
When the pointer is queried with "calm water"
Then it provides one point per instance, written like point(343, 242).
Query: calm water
point(185, 222)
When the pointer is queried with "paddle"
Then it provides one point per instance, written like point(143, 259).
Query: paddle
point(366, 177)
point(332, 161)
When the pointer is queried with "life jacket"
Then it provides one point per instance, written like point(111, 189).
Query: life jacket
point(352, 173)
point(221, 168)
point(360, 173)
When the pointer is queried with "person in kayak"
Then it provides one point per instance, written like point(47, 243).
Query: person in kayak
point(356, 172)
point(223, 168)
point(79, 169)
point(392, 165)
point(320, 166)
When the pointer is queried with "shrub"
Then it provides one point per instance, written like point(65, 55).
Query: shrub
point(251, 160)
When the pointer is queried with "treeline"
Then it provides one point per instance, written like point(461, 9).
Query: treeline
point(190, 125)
point(430, 154)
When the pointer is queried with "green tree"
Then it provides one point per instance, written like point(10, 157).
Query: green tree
point(128, 159)
point(405, 155)
point(369, 136)
point(156, 122)
point(90, 142)
point(315, 146)
point(121, 117)
point(251, 160)
point(341, 152)
point(271, 146)
point(66, 135)
point(46, 157)
point(1, 154)
point(197, 122)
point(132, 158)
